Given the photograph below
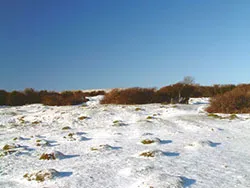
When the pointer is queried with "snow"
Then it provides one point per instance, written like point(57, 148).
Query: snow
point(189, 148)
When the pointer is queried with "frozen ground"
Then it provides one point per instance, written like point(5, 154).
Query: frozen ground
point(188, 149)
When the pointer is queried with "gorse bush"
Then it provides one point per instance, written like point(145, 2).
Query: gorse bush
point(235, 101)
point(30, 96)
point(62, 99)
point(3, 97)
point(129, 96)
point(176, 93)
point(16, 98)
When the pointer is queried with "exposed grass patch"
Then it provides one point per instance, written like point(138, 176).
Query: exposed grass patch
point(9, 147)
point(147, 141)
point(66, 128)
point(70, 137)
point(138, 109)
point(233, 116)
point(47, 156)
point(42, 143)
point(83, 117)
point(41, 175)
point(36, 122)
point(214, 116)
point(147, 154)
point(101, 147)
point(116, 121)
point(21, 119)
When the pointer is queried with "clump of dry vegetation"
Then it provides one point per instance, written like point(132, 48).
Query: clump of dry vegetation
point(51, 98)
point(9, 149)
point(147, 154)
point(147, 141)
point(42, 175)
point(83, 117)
point(42, 143)
point(176, 93)
point(52, 155)
point(149, 117)
point(47, 156)
point(66, 128)
point(72, 137)
point(129, 96)
point(102, 147)
point(235, 101)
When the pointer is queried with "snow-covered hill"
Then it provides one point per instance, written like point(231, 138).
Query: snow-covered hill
point(118, 146)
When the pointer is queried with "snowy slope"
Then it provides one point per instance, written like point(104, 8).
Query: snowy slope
point(189, 149)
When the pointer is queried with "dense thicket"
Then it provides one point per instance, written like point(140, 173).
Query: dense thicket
point(234, 101)
point(176, 93)
point(129, 96)
point(30, 96)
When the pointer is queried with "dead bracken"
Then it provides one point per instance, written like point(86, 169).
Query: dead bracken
point(147, 141)
point(147, 154)
point(83, 117)
point(66, 128)
point(41, 175)
point(47, 156)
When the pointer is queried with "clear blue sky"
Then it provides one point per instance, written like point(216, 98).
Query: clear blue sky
point(83, 44)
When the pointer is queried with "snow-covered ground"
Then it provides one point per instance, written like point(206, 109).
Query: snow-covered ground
point(118, 146)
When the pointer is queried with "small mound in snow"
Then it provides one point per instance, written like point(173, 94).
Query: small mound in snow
point(158, 153)
point(159, 181)
point(203, 143)
point(10, 148)
point(118, 123)
point(153, 153)
point(150, 140)
point(103, 147)
point(42, 143)
point(53, 155)
point(75, 137)
point(42, 175)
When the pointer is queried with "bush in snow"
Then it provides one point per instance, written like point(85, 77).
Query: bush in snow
point(62, 99)
point(129, 96)
point(42, 175)
point(235, 101)
point(3, 97)
point(16, 98)
point(52, 155)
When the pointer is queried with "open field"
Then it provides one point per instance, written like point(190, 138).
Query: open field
point(123, 146)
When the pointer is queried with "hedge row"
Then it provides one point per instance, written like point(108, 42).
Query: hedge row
point(30, 96)
point(176, 93)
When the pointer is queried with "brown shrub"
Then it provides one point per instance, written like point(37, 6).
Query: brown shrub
point(16, 98)
point(235, 101)
point(62, 99)
point(177, 93)
point(129, 96)
point(211, 91)
point(3, 97)
point(31, 96)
